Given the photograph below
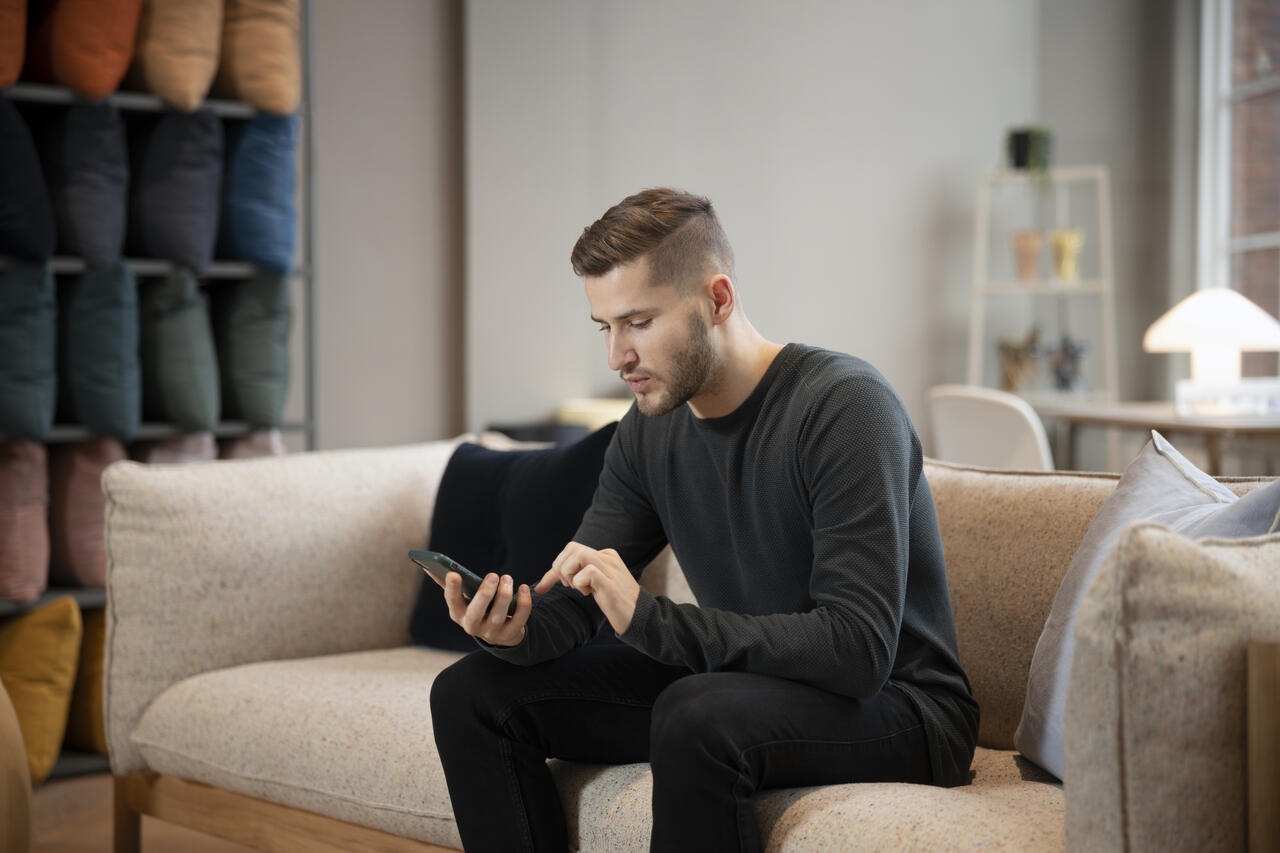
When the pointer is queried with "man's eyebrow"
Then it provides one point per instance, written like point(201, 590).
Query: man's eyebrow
point(625, 316)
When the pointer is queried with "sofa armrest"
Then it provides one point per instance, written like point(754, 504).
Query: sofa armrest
point(1262, 692)
point(225, 563)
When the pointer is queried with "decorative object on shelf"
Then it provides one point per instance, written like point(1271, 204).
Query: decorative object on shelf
point(260, 60)
point(1215, 325)
point(28, 351)
point(1018, 360)
point(179, 42)
point(1064, 360)
point(259, 442)
point(24, 529)
point(1066, 244)
point(1026, 253)
point(77, 511)
point(1030, 148)
point(259, 221)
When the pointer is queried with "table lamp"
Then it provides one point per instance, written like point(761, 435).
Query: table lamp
point(1215, 325)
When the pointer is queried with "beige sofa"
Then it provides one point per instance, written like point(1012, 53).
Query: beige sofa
point(260, 685)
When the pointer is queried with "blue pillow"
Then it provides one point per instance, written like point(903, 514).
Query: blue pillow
point(259, 221)
point(177, 180)
point(87, 169)
point(26, 218)
point(100, 376)
point(506, 511)
point(28, 351)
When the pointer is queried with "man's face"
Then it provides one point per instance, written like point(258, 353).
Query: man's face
point(657, 339)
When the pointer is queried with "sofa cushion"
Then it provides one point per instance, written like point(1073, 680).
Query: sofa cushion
point(1159, 485)
point(179, 364)
point(348, 736)
point(978, 510)
point(251, 320)
point(1157, 691)
point(39, 651)
point(509, 512)
point(177, 52)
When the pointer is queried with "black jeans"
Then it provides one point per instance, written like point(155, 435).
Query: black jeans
point(712, 739)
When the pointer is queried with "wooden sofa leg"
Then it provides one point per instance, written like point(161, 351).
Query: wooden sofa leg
point(126, 824)
point(1262, 739)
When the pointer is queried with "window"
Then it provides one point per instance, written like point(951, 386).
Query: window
point(1239, 183)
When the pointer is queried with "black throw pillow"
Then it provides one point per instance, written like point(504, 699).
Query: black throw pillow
point(506, 511)
point(26, 216)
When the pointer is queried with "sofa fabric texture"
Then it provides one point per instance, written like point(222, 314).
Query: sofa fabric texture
point(1159, 485)
point(1162, 722)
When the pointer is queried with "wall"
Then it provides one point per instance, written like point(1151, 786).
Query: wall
point(840, 143)
point(388, 238)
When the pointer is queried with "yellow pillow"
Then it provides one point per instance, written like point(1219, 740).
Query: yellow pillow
point(177, 52)
point(39, 651)
point(85, 727)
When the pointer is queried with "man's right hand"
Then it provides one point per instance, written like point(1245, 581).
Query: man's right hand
point(489, 623)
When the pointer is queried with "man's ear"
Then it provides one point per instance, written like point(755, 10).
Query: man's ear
point(719, 289)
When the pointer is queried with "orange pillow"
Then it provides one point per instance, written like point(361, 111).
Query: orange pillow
point(39, 652)
point(177, 52)
point(90, 43)
point(261, 59)
point(86, 728)
point(13, 38)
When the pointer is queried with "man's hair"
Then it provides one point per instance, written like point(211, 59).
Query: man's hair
point(677, 231)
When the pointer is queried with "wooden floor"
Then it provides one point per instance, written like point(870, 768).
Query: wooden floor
point(74, 816)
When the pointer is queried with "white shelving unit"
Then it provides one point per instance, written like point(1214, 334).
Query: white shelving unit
point(1054, 190)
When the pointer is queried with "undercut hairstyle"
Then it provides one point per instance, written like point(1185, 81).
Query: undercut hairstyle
point(678, 232)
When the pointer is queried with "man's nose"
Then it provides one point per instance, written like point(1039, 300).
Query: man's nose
point(620, 353)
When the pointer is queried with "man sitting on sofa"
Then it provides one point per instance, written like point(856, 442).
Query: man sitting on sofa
point(788, 481)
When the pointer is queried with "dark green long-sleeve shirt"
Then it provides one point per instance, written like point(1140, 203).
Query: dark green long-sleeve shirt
point(806, 529)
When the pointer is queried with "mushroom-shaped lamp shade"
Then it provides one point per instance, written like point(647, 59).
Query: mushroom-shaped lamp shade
point(1215, 325)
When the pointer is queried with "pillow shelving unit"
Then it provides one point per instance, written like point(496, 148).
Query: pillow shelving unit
point(301, 283)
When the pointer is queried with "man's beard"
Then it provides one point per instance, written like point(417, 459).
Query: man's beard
point(691, 368)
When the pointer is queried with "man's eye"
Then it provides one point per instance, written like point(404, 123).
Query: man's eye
point(604, 328)
point(640, 324)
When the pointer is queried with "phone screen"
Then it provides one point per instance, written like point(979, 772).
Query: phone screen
point(438, 566)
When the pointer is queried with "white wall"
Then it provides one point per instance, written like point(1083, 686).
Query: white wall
point(840, 143)
point(388, 236)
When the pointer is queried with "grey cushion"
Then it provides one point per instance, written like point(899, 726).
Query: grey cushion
point(1161, 486)
point(28, 351)
point(179, 366)
point(101, 384)
point(86, 166)
point(251, 322)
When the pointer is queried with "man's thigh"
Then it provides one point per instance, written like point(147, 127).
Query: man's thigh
point(780, 733)
point(592, 704)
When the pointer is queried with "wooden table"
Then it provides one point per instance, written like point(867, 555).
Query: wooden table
point(1217, 431)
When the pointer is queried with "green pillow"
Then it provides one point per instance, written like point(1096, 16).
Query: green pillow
point(28, 351)
point(251, 321)
point(179, 367)
point(101, 378)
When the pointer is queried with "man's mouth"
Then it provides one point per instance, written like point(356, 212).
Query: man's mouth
point(638, 383)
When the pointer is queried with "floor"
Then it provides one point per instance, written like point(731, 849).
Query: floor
point(74, 816)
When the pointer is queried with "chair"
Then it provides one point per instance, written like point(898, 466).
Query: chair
point(982, 426)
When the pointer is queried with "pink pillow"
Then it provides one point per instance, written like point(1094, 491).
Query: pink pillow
point(77, 511)
point(24, 531)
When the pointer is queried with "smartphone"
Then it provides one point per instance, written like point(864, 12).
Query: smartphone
point(438, 566)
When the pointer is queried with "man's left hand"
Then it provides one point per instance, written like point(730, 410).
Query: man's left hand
point(599, 574)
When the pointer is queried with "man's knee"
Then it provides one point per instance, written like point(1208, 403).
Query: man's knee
point(689, 723)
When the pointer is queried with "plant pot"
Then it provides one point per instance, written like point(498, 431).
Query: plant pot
point(1029, 148)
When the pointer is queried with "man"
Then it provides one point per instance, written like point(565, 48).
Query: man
point(788, 480)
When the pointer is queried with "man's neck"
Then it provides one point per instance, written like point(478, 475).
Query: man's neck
point(745, 362)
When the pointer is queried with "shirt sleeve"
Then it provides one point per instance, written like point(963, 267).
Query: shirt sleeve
point(860, 461)
point(620, 517)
